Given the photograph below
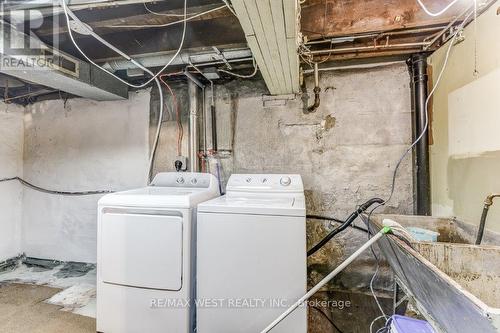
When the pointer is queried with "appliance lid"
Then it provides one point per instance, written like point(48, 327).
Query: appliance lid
point(171, 189)
point(263, 205)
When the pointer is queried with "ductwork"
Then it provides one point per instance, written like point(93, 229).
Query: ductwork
point(184, 58)
point(40, 64)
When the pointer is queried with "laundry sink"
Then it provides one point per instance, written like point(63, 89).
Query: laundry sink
point(456, 285)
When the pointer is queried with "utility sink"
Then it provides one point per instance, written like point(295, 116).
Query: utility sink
point(456, 285)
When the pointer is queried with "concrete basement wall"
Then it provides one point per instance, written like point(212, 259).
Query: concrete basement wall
point(345, 151)
point(460, 182)
point(11, 164)
point(76, 146)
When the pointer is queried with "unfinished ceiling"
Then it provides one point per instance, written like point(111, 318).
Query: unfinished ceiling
point(329, 30)
point(347, 29)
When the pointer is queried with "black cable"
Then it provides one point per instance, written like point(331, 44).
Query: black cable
point(333, 219)
point(44, 190)
point(327, 318)
point(344, 225)
point(325, 218)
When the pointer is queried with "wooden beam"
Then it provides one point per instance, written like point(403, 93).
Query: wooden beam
point(329, 18)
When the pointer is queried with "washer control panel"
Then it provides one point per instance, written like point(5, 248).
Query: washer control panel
point(184, 179)
point(265, 182)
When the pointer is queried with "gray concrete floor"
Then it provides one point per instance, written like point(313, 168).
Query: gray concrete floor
point(22, 309)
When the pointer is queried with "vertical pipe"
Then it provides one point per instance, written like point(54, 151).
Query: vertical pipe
point(193, 126)
point(421, 156)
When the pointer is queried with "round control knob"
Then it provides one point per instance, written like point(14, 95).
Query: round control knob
point(180, 180)
point(285, 181)
point(248, 180)
point(194, 181)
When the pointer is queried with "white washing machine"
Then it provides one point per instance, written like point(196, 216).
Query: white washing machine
point(251, 256)
point(145, 255)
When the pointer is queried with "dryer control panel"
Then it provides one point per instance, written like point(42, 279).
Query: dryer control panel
point(265, 183)
point(184, 179)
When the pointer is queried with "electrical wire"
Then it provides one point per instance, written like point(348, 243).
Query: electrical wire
point(184, 20)
point(426, 108)
point(374, 321)
point(175, 105)
point(158, 130)
point(68, 13)
point(441, 12)
point(256, 68)
point(44, 190)
point(373, 291)
point(230, 7)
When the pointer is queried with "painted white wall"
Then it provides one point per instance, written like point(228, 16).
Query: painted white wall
point(465, 156)
point(473, 117)
point(83, 145)
point(11, 164)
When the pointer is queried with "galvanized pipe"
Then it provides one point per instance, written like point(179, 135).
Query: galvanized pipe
point(368, 48)
point(487, 203)
point(193, 126)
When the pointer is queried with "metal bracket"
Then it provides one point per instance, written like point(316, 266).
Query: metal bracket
point(221, 57)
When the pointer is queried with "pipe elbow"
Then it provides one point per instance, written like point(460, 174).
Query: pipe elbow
point(317, 100)
point(489, 199)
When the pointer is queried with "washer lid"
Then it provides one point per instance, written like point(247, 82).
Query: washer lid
point(158, 197)
point(257, 205)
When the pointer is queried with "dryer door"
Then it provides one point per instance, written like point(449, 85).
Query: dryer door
point(142, 250)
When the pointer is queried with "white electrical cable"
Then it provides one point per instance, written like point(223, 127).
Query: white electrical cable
point(374, 321)
point(441, 12)
point(256, 68)
point(426, 107)
point(154, 77)
point(68, 12)
point(373, 291)
point(230, 7)
point(186, 19)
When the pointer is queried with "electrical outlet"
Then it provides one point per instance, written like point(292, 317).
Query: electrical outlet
point(181, 163)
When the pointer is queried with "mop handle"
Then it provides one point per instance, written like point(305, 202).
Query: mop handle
point(330, 276)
